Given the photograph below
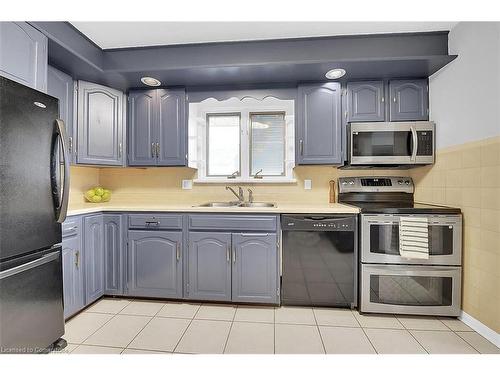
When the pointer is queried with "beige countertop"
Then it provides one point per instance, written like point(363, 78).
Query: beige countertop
point(281, 208)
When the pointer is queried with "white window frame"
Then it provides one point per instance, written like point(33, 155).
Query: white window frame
point(197, 135)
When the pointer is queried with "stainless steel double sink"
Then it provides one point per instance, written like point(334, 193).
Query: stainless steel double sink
point(237, 204)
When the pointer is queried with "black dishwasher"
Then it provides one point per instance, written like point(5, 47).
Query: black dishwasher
point(320, 260)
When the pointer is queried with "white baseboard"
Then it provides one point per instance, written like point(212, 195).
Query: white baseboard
point(480, 328)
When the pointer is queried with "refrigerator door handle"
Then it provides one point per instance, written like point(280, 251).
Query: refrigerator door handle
point(27, 266)
point(61, 206)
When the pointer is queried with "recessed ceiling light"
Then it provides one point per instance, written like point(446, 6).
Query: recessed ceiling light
point(335, 73)
point(150, 81)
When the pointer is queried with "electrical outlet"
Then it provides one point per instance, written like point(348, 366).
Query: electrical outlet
point(307, 184)
point(187, 184)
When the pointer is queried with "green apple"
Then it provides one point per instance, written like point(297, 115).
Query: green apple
point(106, 196)
point(90, 193)
point(96, 199)
point(99, 191)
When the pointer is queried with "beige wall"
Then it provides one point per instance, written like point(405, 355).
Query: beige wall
point(81, 179)
point(468, 176)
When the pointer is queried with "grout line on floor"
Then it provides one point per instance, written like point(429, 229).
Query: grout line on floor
point(189, 325)
point(419, 343)
point(138, 333)
point(370, 341)
point(319, 331)
point(461, 338)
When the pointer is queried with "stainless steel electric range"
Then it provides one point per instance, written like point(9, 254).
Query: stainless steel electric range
point(389, 281)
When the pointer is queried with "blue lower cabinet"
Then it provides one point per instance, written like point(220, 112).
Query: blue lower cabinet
point(94, 257)
point(73, 291)
point(209, 268)
point(255, 268)
point(154, 264)
point(113, 253)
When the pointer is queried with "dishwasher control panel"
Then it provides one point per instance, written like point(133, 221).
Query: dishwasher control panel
point(319, 223)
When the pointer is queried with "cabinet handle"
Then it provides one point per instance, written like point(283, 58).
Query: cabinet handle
point(301, 147)
point(77, 259)
point(148, 223)
point(234, 255)
point(70, 145)
point(153, 150)
point(382, 99)
point(120, 149)
point(178, 251)
point(157, 150)
point(228, 255)
point(394, 99)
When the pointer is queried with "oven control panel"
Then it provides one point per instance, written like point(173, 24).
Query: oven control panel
point(370, 184)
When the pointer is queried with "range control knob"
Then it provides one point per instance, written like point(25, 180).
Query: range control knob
point(407, 182)
point(351, 182)
point(400, 182)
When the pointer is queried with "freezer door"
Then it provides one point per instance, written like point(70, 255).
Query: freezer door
point(31, 171)
point(31, 302)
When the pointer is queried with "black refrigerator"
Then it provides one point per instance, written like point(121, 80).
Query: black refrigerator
point(34, 183)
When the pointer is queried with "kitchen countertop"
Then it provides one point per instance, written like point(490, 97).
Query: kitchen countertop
point(281, 208)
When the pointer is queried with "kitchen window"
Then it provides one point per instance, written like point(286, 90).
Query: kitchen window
point(223, 144)
point(242, 141)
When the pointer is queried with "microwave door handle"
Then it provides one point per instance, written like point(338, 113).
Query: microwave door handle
point(414, 143)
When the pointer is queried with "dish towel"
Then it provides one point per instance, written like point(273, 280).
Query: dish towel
point(413, 237)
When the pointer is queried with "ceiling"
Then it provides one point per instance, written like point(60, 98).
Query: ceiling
point(139, 34)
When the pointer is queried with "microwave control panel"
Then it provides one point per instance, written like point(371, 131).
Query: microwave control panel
point(425, 143)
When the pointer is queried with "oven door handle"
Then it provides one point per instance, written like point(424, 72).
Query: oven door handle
point(414, 144)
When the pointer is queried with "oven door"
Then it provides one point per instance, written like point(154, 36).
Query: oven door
point(380, 240)
point(417, 290)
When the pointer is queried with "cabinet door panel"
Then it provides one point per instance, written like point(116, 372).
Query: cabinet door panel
point(319, 124)
point(23, 54)
point(60, 85)
point(255, 268)
point(143, 127)
point(94, 257)
point(172, 127)
point(209, 266)
point(155, 264)
point(113, 254)
point(409, 100)
point(365, 101)
point(100, 125)
point(72, 276)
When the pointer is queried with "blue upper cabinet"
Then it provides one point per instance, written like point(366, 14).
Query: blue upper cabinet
point(23, 54)
point(172, 135)
point(365, 101)
point(409, 100)
point(100, 125)
point(142, 128)
point(157, 128)
point(60, 85)
point(319, 131)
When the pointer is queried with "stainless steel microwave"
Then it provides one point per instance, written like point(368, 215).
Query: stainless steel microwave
point(391, 143)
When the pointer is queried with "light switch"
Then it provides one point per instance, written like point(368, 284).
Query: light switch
point(187, 184)
point(307, 184)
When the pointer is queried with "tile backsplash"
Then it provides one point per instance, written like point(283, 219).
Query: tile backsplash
point(468, 176)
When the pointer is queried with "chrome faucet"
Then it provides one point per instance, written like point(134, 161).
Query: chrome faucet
point(239, 195)
point(250, 196)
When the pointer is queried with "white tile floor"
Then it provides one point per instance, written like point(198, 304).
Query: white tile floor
point(113, 326)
